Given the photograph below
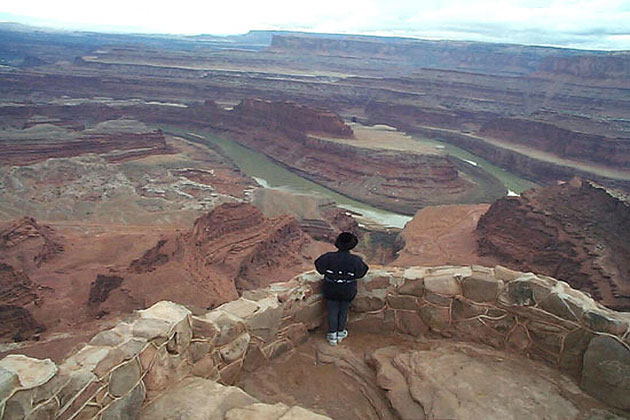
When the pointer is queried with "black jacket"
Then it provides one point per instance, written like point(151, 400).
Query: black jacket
point(341, 269)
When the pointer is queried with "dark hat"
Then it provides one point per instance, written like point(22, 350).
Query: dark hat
point(346, 241)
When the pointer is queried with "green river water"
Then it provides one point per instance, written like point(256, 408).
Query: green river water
point(272, 175)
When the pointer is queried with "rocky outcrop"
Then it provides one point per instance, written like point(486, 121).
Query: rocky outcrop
point(575, 231)
point(230, 249)
point(44, 141)
point(17, 293)
point(291, 117)
point(562, 142)
point(27, 243)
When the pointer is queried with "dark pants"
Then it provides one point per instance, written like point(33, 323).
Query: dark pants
point(337, 314)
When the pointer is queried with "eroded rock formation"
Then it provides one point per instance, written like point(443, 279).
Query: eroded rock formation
point(40, 142)
point(230, 249)
point(292, 117)
point(27, 244)
point(17, 294)
point(576, 231)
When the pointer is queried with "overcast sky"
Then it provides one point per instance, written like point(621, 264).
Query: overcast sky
point(596, 24)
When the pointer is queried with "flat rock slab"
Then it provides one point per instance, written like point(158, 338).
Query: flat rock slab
point(196, 399)
point(30, 372)
point(461, 381)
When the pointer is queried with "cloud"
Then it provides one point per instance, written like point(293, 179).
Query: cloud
point(570, 23)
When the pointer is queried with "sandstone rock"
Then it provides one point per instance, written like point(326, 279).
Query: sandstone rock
point(463, 309)
point(412, 286)
point(229, 326)
point(409, 322)
point(197, 350)
point(147, 356)
point(254, 358)
point(124, 378)
point(257, 411)
point(127, 407)
point(462, 381)
point(77, 381)
point(443, 284)
point(241, 308)
point(205, 367)
point(299, 413)
point(372, 283)
point(167, 311)
point(393, 382)
point(43, 411)
point(367, 304)
point(505, 274)
point(524, 291)
point(572, 357)
point(113, 358)
point(563, 306)
point(264, 322)
point(604, 321)
point(204, 328)
point(402, 302)
point(437, 318)
point(151, 329)
point(518, 340)
point(30, 372)
point(311, 315)
point(480, 288)
point(9, 381)
point(132, 347)
point(415, 273)
point(235, 349)
point(165, 370)
point(606, 371)
point(548, 337)
point(230, 373)
point(109, 338)
point(437, 300)
point(297, 334)
point(277, 348)
point(255, 295)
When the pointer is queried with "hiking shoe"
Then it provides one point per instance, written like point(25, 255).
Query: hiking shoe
point(341, 335)
point(332, 338)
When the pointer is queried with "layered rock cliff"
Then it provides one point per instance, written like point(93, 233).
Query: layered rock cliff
point(292, 118)
point(577, 232)
point(17, 294)
point(27, 244)
point(44, 141)
point(230, 249)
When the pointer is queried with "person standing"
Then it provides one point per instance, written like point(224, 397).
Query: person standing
point(341, 270)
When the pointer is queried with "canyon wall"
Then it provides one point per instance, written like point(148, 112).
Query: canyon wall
point(575, 231)
point(45, 141)
point(127, 369)
point(292, 117)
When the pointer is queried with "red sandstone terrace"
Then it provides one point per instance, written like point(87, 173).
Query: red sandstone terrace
point(480, 324)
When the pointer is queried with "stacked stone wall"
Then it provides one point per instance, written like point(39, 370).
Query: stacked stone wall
point(125, 368)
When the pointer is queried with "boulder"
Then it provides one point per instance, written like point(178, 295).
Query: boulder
point(606, 371)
